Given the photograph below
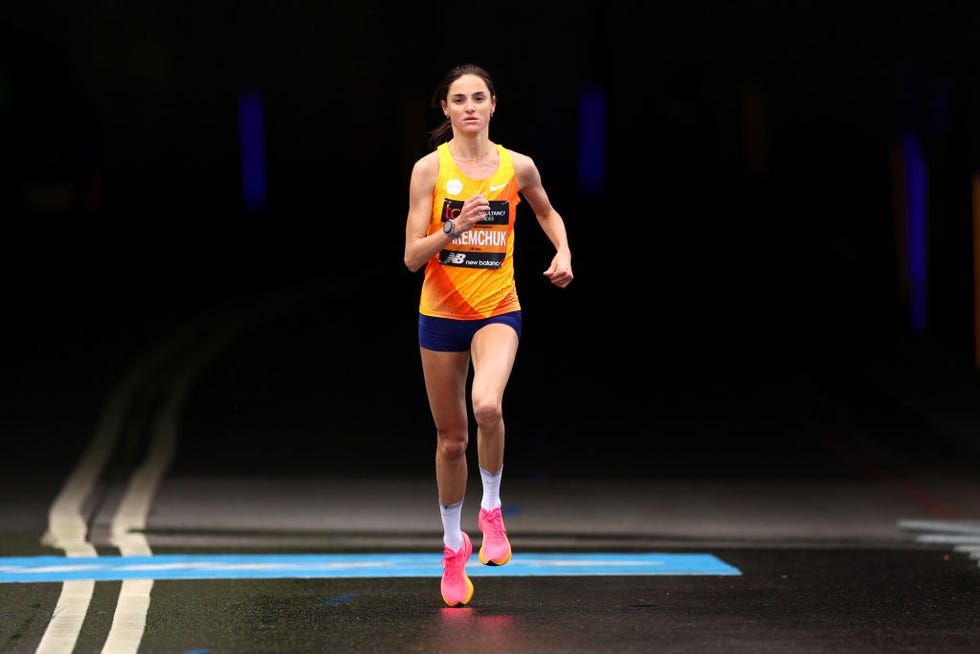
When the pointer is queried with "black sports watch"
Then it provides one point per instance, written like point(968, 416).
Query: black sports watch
point(449, 227)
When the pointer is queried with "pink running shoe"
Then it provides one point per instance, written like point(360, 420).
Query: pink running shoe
point(496, 548)
point(456, 586)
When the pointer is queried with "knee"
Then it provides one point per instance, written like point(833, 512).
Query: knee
point(487, 411)
point(452, 446)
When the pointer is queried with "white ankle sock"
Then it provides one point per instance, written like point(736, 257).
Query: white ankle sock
point(452, 536)
point(491, 489)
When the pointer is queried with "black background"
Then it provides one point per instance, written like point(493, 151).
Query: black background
point(749, 223)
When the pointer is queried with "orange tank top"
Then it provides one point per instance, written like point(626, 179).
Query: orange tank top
point(473, 276)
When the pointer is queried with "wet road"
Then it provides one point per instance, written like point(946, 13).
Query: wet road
point(244, 409)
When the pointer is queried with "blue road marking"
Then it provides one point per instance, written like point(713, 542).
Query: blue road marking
point(340, 599)
point(268, 566)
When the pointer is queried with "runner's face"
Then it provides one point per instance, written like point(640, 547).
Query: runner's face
point(468, 104)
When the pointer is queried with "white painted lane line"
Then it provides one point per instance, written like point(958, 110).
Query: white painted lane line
point(129, 521)
point(946, 526)
point(67, 527)
point(973, 551)
point(66, 623)
point(963, 534)
point(948, 538)
point(67, 524)
point(129, 620)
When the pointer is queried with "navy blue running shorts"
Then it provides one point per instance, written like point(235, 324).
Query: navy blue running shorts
point(450, 335)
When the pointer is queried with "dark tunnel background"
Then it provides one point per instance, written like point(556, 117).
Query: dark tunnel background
point(752, 216)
